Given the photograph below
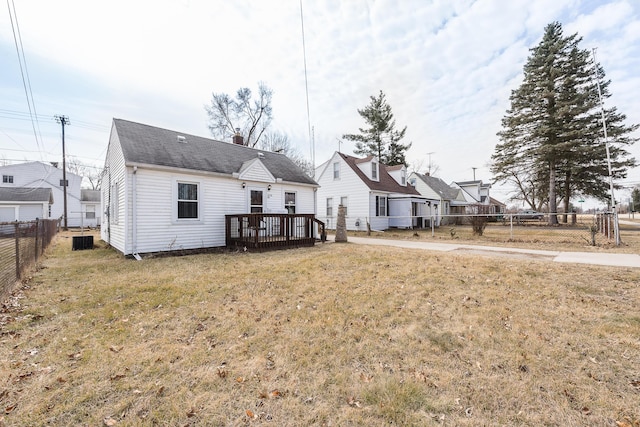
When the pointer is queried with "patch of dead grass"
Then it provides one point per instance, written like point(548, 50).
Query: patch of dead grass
point(330, 335)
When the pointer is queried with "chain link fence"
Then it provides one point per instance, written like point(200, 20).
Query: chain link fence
point(21, 244)
point(572, 229)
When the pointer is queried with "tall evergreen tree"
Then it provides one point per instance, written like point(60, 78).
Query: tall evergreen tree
point(552, 135)
point(381, 139)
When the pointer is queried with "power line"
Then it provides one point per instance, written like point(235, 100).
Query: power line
point(21, 59)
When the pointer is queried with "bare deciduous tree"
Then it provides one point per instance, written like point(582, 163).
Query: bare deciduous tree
point(251, 116)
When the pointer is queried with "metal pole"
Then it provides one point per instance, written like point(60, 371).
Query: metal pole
point(606, 145)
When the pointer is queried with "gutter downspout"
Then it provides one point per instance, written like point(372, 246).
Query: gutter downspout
point(134, 225)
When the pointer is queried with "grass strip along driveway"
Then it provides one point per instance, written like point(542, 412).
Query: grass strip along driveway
point(337, 334)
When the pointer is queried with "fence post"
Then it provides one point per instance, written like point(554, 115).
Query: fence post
point(511, 226)
point(36, 239)
point(17, 234)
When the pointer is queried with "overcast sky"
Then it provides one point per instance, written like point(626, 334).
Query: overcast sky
point(447, 68)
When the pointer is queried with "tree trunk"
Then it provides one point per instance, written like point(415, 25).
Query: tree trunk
point(567, 197)
point(553, 208)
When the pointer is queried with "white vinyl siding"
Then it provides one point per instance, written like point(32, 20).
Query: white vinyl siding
point(44, 175)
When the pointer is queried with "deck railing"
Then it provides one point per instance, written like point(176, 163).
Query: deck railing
point(271, 231)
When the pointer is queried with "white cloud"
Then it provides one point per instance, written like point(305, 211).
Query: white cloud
point(447, 67)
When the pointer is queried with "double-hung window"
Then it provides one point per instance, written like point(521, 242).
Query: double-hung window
point(329, 207)
point(187, 200)
point(7, 179)
point(336, 170)
point(374, 171)
point(290, 202)
point(381, 206)
point(343, 202)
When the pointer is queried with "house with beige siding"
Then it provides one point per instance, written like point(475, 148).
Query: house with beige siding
point(371, 192)
point(166, 190)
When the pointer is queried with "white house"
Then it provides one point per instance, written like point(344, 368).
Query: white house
point(33, 175)
point(449, 200)
point(477, 194)
point(371, 193)
point(91, 208)
point(165, 190)
point(24, 203)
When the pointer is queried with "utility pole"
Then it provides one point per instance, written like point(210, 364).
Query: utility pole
point(64, 120)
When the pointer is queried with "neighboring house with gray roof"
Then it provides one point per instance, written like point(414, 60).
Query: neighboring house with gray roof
point(24, 203)
point(91, 211)
point(450, 200)
point(165, 190)
point(371, 192)
point(47, 176)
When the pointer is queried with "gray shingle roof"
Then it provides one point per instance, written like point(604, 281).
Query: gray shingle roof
point(144, 144)
point(439, 186)
point(385, 181)
point(87, 195)
point(26, 194)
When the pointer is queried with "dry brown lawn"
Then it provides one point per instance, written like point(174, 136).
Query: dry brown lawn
point(333, 335)
point(531, 235)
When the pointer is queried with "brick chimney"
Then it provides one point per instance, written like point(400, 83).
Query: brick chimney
point(237, 138)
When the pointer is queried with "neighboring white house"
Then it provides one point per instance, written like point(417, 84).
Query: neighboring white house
point(91, 208)
point(165, 190)
point(43, 175)
point(477, 194)
point(24, 203)
point(371, 193)
point(450, 200)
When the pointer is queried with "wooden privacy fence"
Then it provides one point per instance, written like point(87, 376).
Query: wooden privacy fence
point(21, 244)
point(273, 231)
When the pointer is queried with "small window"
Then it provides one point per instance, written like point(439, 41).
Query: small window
point(115, 203)
point(381, 206)
point(336, 170)
point(290, 202)
point(374, 171)
point(403, 177)
point(187, 200)
point(90, 212)
point(343, 202)
point(64, 183)
point(329, 207)
point(7, 179)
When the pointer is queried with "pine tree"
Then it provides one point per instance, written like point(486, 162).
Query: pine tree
point(381, 139)
point(553, 130)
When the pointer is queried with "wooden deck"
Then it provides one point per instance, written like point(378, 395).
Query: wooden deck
point(273, 231)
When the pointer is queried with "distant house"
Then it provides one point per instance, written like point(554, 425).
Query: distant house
point(91, 211)
point(24, 203)
point(33, 175)
point(165, 190)
point(371, 193)
point(477, 194)
point(450, 201)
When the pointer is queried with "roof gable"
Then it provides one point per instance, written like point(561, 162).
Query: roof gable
point(385, 182)
point(149, 145)
point(446, 192)
point(255, 170)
